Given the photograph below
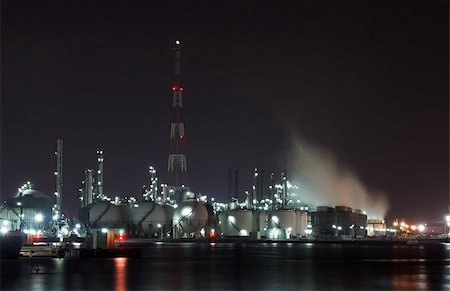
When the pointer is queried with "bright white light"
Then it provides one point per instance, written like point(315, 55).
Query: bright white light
point(4, 230)
point(104, 230)
point(38, 217)
point(55, 217)
point(186, 211)
point(421, 227)
point(77, 226)
point(5, 222)
point(339, 227)
point(333, 226)
point(243, 232)
point(308, 231)
point(159, 225)
point(275, 219)
point(231, 219)
point(19, 203)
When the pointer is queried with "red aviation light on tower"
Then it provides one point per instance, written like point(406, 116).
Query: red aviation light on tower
point(176, 88)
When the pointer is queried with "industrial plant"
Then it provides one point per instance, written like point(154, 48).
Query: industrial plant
point(272, 210)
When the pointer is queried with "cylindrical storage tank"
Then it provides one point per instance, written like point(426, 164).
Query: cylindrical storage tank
point(263, 223)
point(103, 214)
point(149, 218)
point(233, 204)
point(281, 223)
point(190, 216)
point(238, 222)
point(222, 218)
point(301, 223)
point(12, 216)
point(344, 218)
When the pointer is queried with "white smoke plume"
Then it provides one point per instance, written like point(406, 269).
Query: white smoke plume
point(324, 180)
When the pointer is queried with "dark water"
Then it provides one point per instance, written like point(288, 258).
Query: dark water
point(243, 267)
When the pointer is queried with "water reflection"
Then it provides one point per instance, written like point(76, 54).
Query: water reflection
point(120, 266)
point(243, 266)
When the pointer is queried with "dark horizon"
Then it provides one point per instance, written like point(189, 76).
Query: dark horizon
point(367, 81)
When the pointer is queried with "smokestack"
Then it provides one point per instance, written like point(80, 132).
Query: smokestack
point(254, 187)
point(58, 193)
point(100, 174)
point(261, 184)
point(88, 187)
point(284, 181)
point(230, 182)
point(284, 192)
point(272, 188)
point(236, 187)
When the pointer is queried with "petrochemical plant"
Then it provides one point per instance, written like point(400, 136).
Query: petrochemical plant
point(272, 210)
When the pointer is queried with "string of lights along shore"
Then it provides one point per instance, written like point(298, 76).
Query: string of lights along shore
point(177, 165)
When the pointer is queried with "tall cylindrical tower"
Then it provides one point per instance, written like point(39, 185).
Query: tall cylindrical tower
point(177, 166)
point(99, 182)
point(88, 187)
point(58, 193)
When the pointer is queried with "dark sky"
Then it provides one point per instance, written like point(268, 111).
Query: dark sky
point(366, 79)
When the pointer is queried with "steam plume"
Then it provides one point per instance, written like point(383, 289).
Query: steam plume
point(324, 180)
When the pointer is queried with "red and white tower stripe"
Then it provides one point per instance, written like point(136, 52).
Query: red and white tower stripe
point(177, 166)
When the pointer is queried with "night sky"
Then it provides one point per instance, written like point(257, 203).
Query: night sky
point(368, 80)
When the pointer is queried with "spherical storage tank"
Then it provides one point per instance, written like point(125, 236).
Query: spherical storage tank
point(148, 216)
point(105, 214)
point(190, 216)
point(169, 216)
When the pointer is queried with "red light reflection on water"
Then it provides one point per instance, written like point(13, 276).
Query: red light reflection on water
point(120, 274)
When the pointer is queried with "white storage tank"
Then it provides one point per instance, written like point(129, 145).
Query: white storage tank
point(149, 218)
point(103, 214)
point(281, 223)
point(190, 217)
point(301, 223)
point(238, 222)
point(263, 223)
point(168, 210)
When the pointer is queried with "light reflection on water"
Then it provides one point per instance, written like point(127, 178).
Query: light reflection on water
point(120, 274)
point(243, 266)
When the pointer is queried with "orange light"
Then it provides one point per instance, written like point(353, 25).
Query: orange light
point(212, 233)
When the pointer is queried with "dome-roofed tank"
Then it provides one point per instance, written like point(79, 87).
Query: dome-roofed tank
point(149, 217)
point(30, 198)
point(105, 214)
point(190, 216)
